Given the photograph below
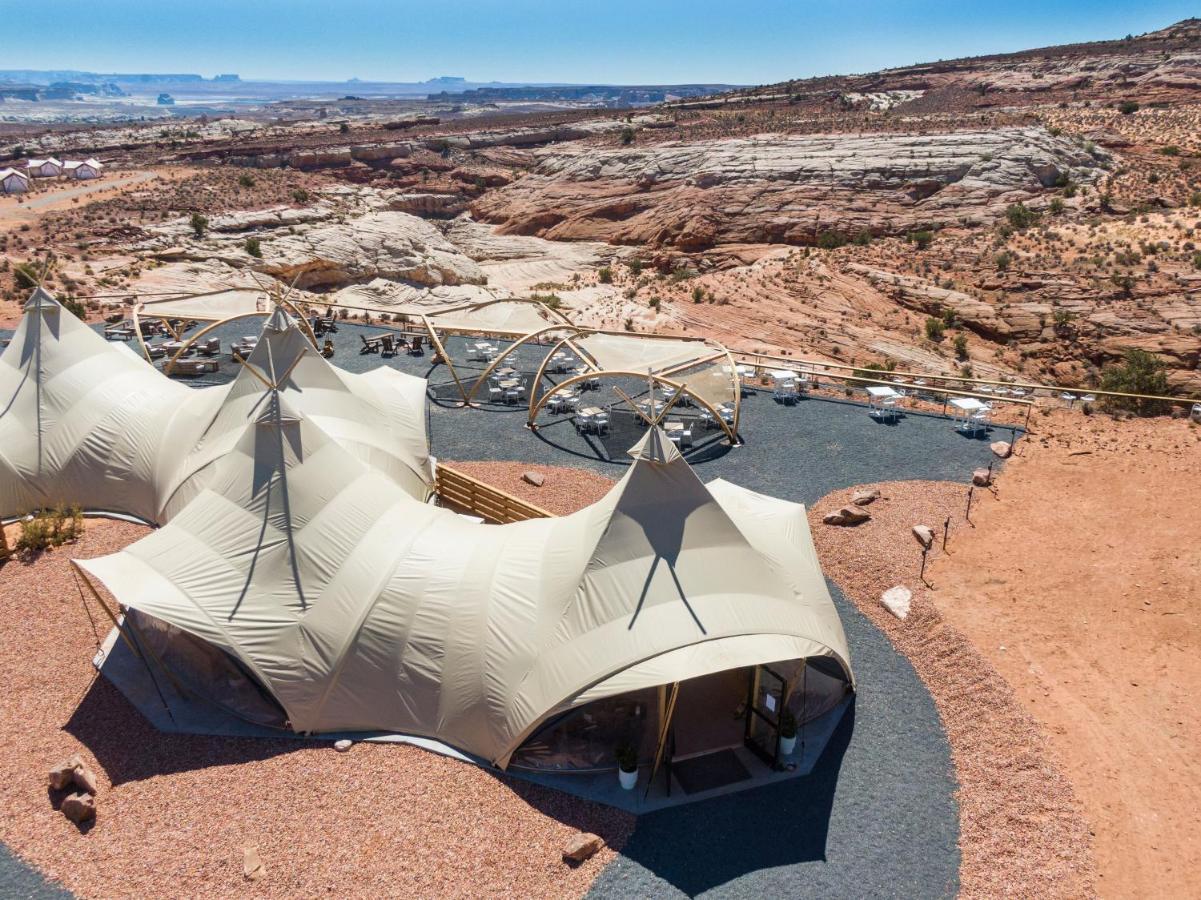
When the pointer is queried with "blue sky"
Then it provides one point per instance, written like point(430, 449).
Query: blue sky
point(610, 41)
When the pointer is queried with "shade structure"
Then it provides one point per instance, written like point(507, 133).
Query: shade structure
point(361, 609)
point(84, 421)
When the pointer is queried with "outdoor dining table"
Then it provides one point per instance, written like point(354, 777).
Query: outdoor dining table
point(883, 400)
point(973, 412)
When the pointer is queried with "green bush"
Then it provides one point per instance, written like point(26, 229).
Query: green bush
point(1128, 107)
point(1139, 372)
point(1020, 216)
point(961, 346)
point(831, 240)
point(627, 136)
point(935, 329)
point(26, 275)
point(698, 294)
point(75, 307)
point(50, 528)
point(245, 181)
point(922, 239)
point(254, 248)
point(1002, 260)
point(200, 224)
point(863, 238)
point(605, 275)
point(300, 195)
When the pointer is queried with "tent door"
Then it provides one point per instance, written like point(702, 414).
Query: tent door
point(766, 699)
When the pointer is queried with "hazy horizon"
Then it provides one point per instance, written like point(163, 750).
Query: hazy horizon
point(622, 42)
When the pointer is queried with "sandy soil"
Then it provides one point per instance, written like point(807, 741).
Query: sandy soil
point(1082, 584)
point(1022, 831)
point(61, 194)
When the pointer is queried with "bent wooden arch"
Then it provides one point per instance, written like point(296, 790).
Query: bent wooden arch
point(518, 343)
point(536, 405)
point(283, 301)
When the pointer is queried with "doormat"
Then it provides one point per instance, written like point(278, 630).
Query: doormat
point(713, 770)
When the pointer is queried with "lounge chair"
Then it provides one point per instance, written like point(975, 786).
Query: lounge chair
point(370, 345)
point(416, 348)
point(387, 345)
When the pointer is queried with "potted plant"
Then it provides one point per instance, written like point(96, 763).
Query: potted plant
point(627, 766)
point(788, 729)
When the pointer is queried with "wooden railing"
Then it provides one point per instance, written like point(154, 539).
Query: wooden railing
point(475, 497)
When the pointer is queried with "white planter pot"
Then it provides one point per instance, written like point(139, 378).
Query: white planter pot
point(627, 779)
point(787, 745)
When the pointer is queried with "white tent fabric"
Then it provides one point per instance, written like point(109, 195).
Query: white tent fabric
point(360, 609)
point(84, 421)
point(80, 419)
point(638, 353)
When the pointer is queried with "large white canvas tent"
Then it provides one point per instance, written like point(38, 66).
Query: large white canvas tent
point(85, 421)
point(356, 608)
point(300, 581)
point(44, 168)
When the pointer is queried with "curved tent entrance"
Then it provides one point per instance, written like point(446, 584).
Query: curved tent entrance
point(726, 710)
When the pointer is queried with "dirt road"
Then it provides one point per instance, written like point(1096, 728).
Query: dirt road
point(1082, 585)
point(14, 213)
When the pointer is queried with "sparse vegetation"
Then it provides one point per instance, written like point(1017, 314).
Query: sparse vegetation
point(254, 247)
point(50, 528)
point(200, 224)
point(1139, 372)
point(935, 329)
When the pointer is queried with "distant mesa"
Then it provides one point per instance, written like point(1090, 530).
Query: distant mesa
point(165, 99)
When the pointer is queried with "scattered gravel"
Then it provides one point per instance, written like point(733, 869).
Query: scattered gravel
point(175, 812)
point(563, 491)
point(1021, 825)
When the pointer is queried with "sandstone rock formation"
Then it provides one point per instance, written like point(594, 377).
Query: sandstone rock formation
point(783, 188)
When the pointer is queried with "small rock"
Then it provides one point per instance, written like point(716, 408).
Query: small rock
point(343, 745)
point(62, 775)
point(848, 515)
point(896, 600)
point(84, 779)
point(79, 807)
point(534, 478)
point(1003, 449)
point(982, 478)
point(252, 864)
point(924, 535)
point(863, 498)
point(582, 846)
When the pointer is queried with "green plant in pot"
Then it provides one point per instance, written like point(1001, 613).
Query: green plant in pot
point(627, 765)
point(788, 731)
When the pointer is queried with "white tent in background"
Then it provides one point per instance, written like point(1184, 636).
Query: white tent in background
point(85, 421)
point(83, 171)
point(13, 181)
point(44, 168)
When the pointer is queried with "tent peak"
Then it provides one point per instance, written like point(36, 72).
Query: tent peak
point(655, 447)
point(279, 319)
point(41, 299)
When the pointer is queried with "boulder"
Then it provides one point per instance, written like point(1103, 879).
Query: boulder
point(583, 845)
point(343, 745)
point(1003, 449)
point(79, 807)
point(534, 478)
point(252, 864)
point(84, 779)
point(896, 600)
point(982, 478)
point(62, 775)
point(848, 515)
point(864, 497)
point(924, 535)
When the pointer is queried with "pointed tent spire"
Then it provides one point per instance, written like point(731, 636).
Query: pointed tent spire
point(41, 299)
point(655, 447)
point(279, 320)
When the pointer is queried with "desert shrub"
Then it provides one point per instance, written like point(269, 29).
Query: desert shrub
point(254, 247)
point(961, 346)
point(75, 307)
point(873, 369)
point(605, 275)
point(698, 294)
point(245, 181)
point(627, 136)
point(300, 195)
point(922, 239)
point(1020, 216)
point(1002, 260)
point(935, 329)
point(550, 301)
point(199, 224)
point(1170, 150)
point(1139, 372)
point(1128, 107)
point(50, 528)
point(831, 240)
point(25, 275)
point(863, 238)
point(1056, 206)
point(344, 128)
point(634, 265)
